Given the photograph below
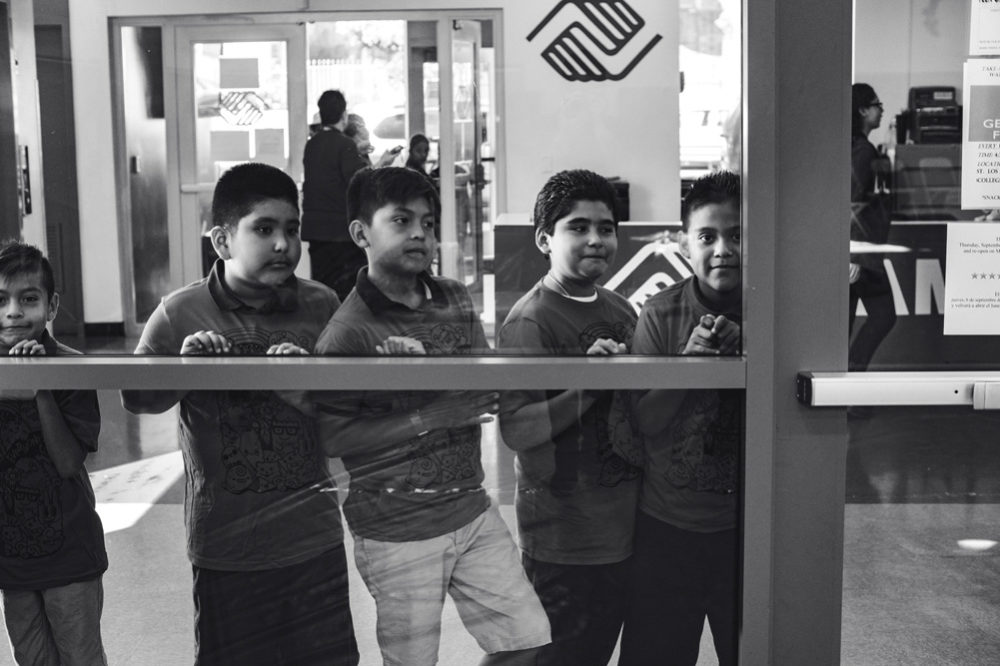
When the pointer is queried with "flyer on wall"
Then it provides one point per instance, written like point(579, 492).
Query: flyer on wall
point(972, 279)
point(981, 134)
point(984, 28)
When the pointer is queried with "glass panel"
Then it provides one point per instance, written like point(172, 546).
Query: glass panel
point(923, 485)
point(573, 495)
point(241, 100)
point(146, 146)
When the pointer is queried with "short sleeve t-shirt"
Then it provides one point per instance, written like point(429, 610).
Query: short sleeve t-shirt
point(430, 484)
point(577, 493)
point(691, 476)
point(50, 533)
point(258, 493)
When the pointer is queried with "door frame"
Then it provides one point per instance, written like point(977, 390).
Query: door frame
point(185, 262)
point(182, 229)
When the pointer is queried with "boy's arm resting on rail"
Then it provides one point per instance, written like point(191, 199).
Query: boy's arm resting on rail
point(157, 339)
point(531, 418)
point(65, 447)
point(346, 428)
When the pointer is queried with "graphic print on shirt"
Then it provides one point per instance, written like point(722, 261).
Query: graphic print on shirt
point(619, 331)
point(31, 520)
point(444, 457)
point(267, 444)
point(256, 342)
point(705, 443)
point(442, 337)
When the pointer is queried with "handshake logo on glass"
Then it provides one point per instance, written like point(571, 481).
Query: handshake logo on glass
point(593, 40)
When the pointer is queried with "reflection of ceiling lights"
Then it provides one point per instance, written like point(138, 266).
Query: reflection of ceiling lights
point(976, 545)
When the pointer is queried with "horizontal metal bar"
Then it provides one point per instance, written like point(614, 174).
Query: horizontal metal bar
point(843, 389)
point(317, 372)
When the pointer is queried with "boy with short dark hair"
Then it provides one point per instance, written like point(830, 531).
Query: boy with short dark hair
point(577, 473)
point(423, 524)
point(52, 553)
point(264, 533)
point(686, 546)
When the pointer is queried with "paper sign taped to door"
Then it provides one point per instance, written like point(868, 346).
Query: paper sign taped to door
point(984, 28)
point(972, 279)
point(981, 134)
point(230, 146)
point(270, 147)
point(242, 73)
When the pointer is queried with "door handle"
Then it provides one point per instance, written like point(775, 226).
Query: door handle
point(980, 390)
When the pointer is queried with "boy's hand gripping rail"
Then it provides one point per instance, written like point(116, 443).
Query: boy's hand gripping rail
point(981, 390)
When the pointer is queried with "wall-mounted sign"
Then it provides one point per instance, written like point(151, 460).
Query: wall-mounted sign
point(984, 28)
point(972, 279)
point(587, 40)
point(981, 134)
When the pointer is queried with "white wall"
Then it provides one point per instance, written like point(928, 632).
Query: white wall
point(899, 44)
point(27, 115)
point(626, 129)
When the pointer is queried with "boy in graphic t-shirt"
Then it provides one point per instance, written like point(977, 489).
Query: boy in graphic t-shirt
point(577, 473)
point(263, 525)
point(52, 554)
point(422, 522)
point(686, 541)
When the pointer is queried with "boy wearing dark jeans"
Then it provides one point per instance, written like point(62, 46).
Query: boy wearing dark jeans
point(686, 559)
point(263, 525)
point(577, 473)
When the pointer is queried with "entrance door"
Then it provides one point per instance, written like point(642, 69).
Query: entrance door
point(241, 97)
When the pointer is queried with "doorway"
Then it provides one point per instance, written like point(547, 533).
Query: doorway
point(195, 97)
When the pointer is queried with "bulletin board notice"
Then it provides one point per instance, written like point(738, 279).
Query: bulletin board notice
point(981, 130)
point(972, 279)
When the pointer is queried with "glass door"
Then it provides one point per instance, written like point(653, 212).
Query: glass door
point(241, 97)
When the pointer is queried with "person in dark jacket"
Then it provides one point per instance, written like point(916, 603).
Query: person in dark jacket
point(869, 222)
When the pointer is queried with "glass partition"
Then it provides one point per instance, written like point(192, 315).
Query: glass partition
point(244, 94)
point(922, 485)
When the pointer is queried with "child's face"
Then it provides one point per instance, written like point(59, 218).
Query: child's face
point(25, 309)
point(264, 248)
point(712, 244)
point(400, 240)
point(582, 244)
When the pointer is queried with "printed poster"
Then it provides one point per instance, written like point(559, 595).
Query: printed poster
point(972, 279)
point(984, 28)
point(981, 134)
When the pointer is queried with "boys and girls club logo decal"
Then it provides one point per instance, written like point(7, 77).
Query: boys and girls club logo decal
point(593, 40)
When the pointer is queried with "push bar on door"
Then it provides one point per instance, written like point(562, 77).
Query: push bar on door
point(981, 390)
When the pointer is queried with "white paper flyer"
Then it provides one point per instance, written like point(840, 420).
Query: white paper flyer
point(981, 134)
point(972, 279)
point(984, 28)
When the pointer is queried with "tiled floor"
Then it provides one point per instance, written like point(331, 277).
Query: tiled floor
point(921, 581)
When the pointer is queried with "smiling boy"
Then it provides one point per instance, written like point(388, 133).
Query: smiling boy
point(52, 553)
point(686, 556)
point(264, 533)
point(576, 493)
point(422, 522)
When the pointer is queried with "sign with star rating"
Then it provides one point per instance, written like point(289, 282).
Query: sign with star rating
point(972, 279)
